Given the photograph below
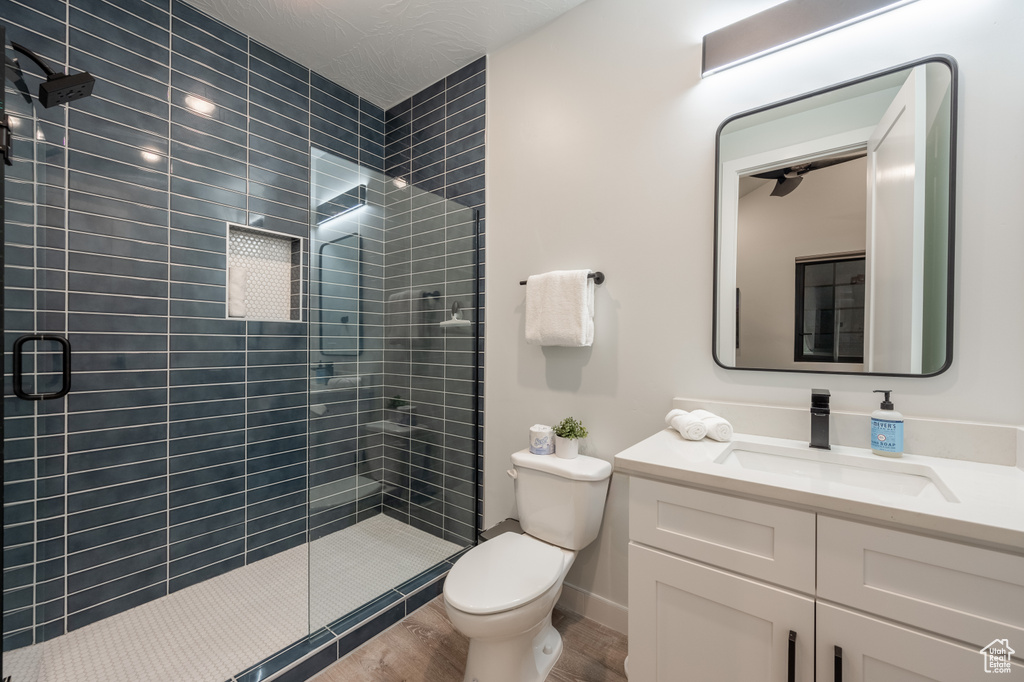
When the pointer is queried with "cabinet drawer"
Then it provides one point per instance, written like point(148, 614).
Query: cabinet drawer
point(764, 541)
point(967, 593)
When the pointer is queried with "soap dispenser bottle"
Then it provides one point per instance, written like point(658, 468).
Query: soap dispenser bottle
point(886, 429)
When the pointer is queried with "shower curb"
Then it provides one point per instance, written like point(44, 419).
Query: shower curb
point(333, 642)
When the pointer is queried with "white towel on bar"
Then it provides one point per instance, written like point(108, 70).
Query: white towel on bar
point(718, 428)
point(237, 282)
point(560, 309)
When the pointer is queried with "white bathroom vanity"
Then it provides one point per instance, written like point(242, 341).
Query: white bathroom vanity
point(762, 559)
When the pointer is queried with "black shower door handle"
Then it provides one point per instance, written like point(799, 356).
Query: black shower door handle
point(65, 384)
point(791, 668)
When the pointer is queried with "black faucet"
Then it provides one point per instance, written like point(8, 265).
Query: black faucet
point(819, 418)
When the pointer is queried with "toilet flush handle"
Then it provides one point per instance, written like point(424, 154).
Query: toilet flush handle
point(512, 473)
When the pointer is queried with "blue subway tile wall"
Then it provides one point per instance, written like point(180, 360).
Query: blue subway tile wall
point(181, 451)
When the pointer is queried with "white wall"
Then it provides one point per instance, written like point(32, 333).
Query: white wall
point(601, 155)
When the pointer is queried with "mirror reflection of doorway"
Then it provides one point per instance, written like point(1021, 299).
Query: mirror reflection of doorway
point(829, 322)
point(823, 216)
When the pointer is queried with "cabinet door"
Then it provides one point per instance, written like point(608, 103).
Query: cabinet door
point(693, 623)
point(878, 651)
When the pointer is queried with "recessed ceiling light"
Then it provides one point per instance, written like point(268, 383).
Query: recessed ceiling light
point(200, 105)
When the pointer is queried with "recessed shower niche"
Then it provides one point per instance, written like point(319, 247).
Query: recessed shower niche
point(264, 275)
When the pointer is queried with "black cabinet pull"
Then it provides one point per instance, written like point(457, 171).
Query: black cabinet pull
point(792, 656)
point(839, 664)
point(19, 350)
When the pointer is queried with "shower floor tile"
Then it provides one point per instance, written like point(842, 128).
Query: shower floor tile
point(351, 567)
point(209, 631)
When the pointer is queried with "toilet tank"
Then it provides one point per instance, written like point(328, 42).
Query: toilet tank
point(561, 501)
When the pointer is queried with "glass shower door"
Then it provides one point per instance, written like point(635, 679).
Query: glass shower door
point(36, 374)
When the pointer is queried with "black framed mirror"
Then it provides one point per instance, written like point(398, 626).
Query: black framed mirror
point(338, 191)
point(338, 291)
point(834, 224)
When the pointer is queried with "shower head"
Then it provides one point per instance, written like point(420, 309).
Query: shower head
point(61, 89)
point(58, 88)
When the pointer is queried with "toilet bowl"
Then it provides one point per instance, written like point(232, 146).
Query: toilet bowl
point(500, 595)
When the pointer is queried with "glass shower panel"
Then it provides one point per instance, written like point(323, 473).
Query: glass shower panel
point(463, 365)
point(434, 462)
point(391, 456)
point(345, 292)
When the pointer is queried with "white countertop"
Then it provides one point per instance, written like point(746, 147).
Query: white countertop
point(990, 509)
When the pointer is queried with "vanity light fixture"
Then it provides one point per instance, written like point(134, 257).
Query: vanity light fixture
point(786, 24)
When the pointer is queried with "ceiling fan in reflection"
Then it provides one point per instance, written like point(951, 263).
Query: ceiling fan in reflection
point(787, 179)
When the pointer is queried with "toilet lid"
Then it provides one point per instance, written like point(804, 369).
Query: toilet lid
point(503, 573)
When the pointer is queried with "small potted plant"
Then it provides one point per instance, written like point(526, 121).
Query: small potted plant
point(568, 433)
point(400, 411)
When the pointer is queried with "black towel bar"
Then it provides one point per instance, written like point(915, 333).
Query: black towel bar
point(598, 278)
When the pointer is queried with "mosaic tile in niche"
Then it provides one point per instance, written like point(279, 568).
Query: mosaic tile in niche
point(267, 260)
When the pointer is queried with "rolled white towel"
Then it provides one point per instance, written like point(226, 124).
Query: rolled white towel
point(718, 428)
point(688, 426)
point(672, 414)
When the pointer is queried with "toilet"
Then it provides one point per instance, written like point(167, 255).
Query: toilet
point(500, 594)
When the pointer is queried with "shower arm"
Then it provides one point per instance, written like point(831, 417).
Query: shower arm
point(50, 73)
point(58, 88)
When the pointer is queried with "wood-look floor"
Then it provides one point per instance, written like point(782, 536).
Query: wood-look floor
point(426, 648)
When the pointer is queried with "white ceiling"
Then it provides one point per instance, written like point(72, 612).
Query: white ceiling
point(385, 50)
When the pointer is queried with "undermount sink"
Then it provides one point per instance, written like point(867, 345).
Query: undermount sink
point(865, 471)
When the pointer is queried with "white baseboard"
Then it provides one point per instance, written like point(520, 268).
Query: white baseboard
point(594, 607)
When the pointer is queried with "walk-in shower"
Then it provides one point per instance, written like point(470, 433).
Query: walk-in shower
point(269, 446)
